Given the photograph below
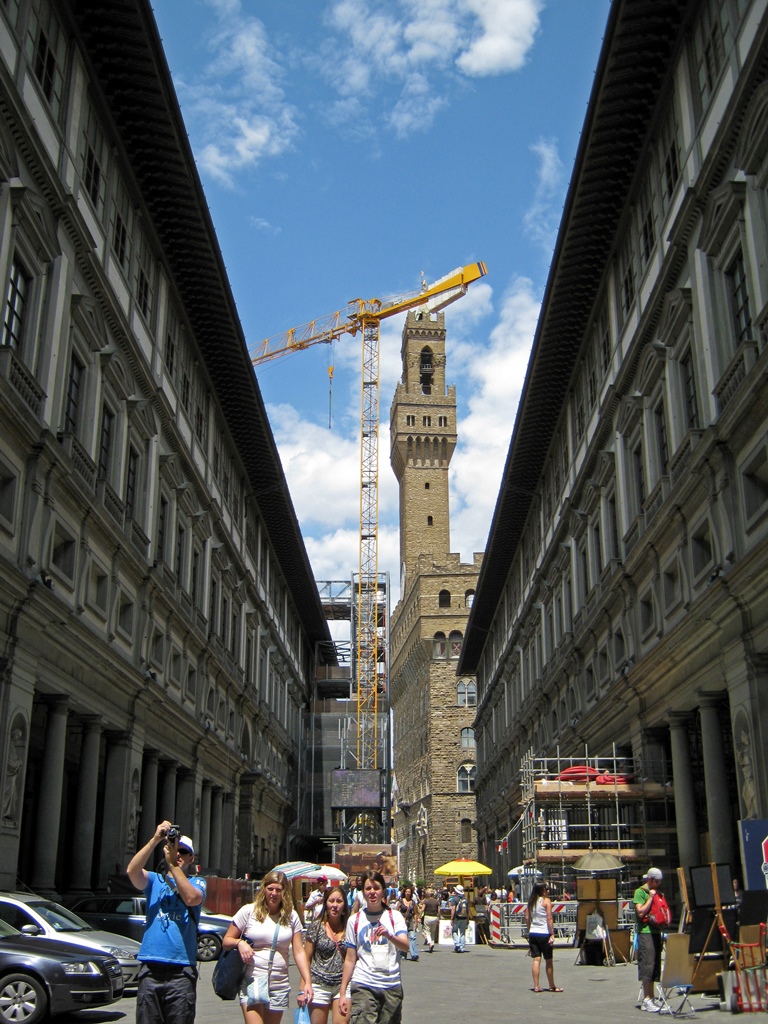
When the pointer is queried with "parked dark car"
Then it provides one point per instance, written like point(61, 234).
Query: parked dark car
point(41, 977)
point(33, 914)
point(126, 915)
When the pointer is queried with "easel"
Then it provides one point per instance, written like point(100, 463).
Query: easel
point(718, 924)
point(686, 916)
point(592, 893)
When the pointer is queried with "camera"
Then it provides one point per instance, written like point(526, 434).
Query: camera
point(173, 833)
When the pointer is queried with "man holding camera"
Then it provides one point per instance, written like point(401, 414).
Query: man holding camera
point(168, 976)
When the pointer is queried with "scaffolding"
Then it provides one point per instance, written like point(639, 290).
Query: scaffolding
point(576, 805)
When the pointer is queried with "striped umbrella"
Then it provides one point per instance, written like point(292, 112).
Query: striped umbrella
point(296, 868)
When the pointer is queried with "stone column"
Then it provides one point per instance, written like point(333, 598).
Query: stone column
point(149, 818)
point(228, 857)
point(214, 850)
point(167, 809)
point(85, 804)
point(682, 776)
point(117, 796)
point(185, 803)
point(719, 810)
point(46, 842)
point(205, 826)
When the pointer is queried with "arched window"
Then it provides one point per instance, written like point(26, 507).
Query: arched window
point(465, 778)
point(468, 739)
point(444, 599)
point(469, 597)
point(426, 370)
point(466, 830)
point(454, 643)
point(439, 646)
point(466, 693)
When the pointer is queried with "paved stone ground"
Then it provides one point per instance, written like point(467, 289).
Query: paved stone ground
point(486, 986)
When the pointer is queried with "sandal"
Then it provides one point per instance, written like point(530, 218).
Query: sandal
point(555, 990)
point(537, 990)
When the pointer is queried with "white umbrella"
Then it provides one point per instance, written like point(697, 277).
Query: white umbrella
point(326, 871)
point(524, 869)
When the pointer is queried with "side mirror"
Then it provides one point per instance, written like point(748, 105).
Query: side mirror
point(30, 929)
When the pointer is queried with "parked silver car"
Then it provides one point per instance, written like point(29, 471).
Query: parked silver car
point(35, 915)
point(127, 915)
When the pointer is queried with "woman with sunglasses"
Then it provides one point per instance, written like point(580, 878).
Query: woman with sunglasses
point(541, 934)
point(263, 932)
point(370, 984)
point(325, 949)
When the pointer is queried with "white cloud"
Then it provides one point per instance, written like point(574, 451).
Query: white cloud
point(494, 372)
point(412, 47)
point(507, 29)
point(237, 107)
point(542, 218)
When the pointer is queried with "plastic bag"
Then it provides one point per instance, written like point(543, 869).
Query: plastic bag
point(301, 1015)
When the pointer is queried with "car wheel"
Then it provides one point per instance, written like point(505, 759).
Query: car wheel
point(208, 947)
point(23, 1000)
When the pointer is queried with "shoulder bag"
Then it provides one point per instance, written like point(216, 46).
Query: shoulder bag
point(229, 972)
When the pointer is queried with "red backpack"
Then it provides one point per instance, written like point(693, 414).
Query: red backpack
point(659, 912)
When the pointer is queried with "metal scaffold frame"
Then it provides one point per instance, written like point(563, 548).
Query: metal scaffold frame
point(573, 805)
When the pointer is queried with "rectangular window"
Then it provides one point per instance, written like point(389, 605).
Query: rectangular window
point(627, 276)
point(426, 421)
point(171, 342)
point(736, 276)
point(669, 156)
point(638, 477)
point(131, 482)
point(74, 386)
point(195, 582)
point(711, 42)
point(94, 162)
point(660, 426)
point(690, 401)
point(105, 441)
point(15, 302)
point(121, 222)
point(180, 536)
point(145, 277)
point(162, 527)
point(46, 51)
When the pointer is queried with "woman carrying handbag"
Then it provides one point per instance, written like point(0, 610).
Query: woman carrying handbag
point(263, 932)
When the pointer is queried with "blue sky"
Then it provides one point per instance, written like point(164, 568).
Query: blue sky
point(346, 147)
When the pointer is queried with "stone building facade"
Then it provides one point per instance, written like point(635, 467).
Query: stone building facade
point(623, 601)
point(158, 615)
point(433, 709)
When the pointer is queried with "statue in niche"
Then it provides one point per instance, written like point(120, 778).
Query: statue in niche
point(13, 773)
point(134, 811)
point(743, 752)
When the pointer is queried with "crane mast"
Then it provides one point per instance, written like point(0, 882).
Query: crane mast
point(365, 316)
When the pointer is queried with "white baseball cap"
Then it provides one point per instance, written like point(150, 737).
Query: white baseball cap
point(187, 842)
point(654, 873)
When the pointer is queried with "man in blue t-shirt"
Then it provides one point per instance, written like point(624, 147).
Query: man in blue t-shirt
point(168, 975)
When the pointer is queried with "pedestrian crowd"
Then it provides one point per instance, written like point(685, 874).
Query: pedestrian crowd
point(348, 948)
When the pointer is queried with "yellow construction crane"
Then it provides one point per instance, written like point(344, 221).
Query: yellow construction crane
point(365, 316)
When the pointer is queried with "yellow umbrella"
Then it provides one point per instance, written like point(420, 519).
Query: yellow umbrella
point(462, 866)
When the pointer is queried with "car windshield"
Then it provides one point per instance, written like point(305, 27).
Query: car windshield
point(59, 918)
point(7, 929)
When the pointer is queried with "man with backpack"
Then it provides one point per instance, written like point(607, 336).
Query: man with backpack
point(459, 919)
point(653, 919)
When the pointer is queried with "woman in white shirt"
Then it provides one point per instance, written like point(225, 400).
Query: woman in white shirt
point(263, 932)
point(374, 937)
point(541, 934)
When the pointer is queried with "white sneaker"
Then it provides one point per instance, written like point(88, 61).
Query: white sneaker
point(650, 1006)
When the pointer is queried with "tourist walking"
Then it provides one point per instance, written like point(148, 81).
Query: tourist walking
point(263, 932)
point(409, 907)
point(324, 946)
point(371, 990)
point(541, 934)
point(459, 919)
point(430, 918)
point(167, 979)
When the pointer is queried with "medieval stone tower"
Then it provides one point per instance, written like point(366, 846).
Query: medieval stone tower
point(434, 710)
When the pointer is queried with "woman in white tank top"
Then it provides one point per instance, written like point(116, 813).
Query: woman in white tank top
point(541, 934)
